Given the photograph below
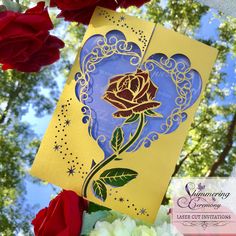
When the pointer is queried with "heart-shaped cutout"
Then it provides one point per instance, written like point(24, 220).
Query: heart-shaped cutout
point(105, 59)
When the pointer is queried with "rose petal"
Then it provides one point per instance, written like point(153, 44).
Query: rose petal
point(79, 16)
point(137, 3)
point(25, 43)
point(144, 98)
point(38, 221)
point(63, 216)
point(36, 17)
point(126, 94)
point(116, 83)
point(18, 49)
point(67, 5)
point(114, 102)
point(112, 97)
point(53, 3)
point(39, 8)
point(54, 42)
point(142, 92)
point(6, 17)
point(143, 76)
point(146, 106)
point(123, 83)
point(122, 113)
point(135, 84)
point(81, 11)
point(152, 90)
point(112, 87)
point(7, 67)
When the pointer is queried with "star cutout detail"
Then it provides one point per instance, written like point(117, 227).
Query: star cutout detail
point(142, 211)
point(56, 147)
point(71, 171)
point(122, 18)
point(67, 122)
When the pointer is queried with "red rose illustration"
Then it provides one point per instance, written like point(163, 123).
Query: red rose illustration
point(63, 216)
point(132, 93)
point(81, 11)
point(25, 42)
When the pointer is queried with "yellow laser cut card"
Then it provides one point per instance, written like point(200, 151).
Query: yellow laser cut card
point(124, 114)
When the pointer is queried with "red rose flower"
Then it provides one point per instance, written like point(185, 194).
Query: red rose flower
point(25, 42)
point(131, 93)
point(81, 11)
point(128, 3)
point(63, 216)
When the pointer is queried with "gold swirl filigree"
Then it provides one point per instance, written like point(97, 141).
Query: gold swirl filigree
point(152, 136)
point(179, 72)
point(101, 138)
point(104, 48)
point(86, 110)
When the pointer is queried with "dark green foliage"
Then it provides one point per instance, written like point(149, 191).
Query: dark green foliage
point(117, 139)
point(100, 190)
point(118, 177)
point(134, 117)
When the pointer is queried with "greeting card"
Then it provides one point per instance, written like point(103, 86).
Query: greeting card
point(124, 114)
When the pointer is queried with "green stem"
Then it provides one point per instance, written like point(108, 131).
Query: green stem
point(103, 163)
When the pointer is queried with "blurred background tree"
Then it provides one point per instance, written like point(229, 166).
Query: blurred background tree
point(209, 150)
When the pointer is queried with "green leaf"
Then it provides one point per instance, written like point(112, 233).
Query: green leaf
point(132, 118)
point(100, 190)
point(117, 139)
point(118, 177)
point(93, 207)
point(152, 113)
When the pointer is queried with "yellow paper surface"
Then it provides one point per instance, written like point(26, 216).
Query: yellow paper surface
point(68, 149)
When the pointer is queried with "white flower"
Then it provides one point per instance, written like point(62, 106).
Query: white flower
point(120, 227)
point(123, 227)
point(102, 228)
point(143, 230)
point(126, 226)
point(167, 230)
point(162, 215)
